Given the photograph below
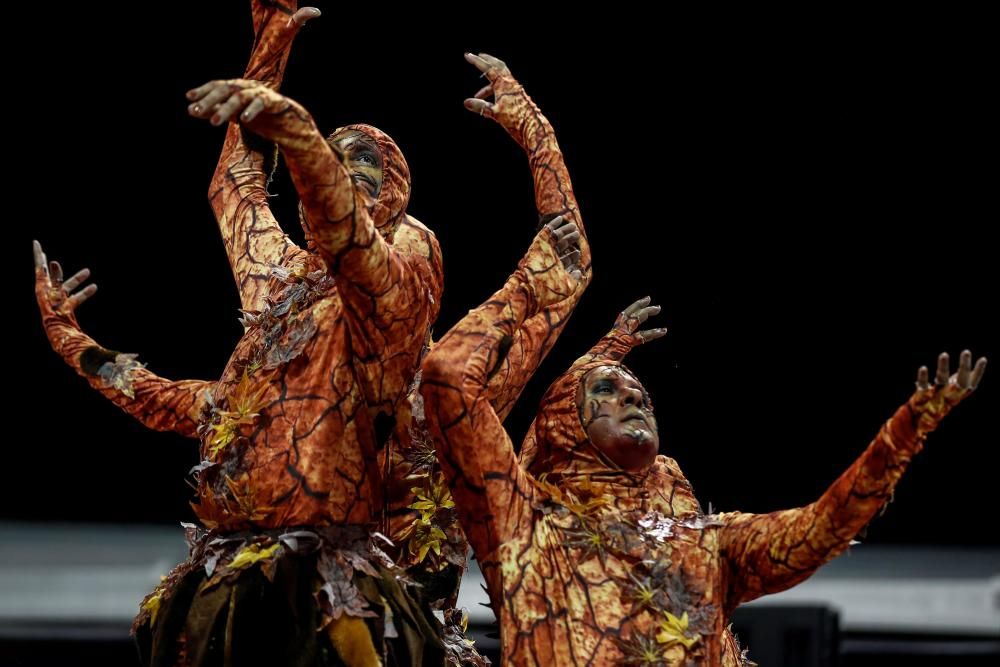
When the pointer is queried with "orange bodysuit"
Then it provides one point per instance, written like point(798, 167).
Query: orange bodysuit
point(291, 433)
point(587, 564)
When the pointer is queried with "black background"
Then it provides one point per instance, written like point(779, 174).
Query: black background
point(810, 200)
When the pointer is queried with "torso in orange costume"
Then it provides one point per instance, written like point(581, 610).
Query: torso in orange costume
point(623, 583)
point(333, 335)
point(309, 367)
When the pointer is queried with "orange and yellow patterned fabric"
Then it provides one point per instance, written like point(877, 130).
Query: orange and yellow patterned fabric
point(587, 563)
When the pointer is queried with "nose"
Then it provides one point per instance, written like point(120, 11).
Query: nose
point(631, 396)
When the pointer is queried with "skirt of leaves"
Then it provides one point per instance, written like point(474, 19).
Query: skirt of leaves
point(251, 619)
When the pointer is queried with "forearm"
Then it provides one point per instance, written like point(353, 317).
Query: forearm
point(253, 239)
point(238, 190)
point(531, 340)
point(772, 552)
point(335, 209)
point(531, 343)
point(157, 403)
point(475, 452)
point(273, 38)
point(533, 132)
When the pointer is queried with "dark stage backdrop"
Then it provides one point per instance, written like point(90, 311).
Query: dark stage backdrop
point(811, 210)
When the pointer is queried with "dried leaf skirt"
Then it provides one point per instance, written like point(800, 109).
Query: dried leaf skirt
point(314, 597)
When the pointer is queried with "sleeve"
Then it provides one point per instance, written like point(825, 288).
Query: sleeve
point(530, 344)
point(768, 553)
point(492, 494)
point(158, 403)
point(238, 191)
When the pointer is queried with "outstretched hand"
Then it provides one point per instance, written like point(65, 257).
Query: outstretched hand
point(237, 100)
point(633, 317)
point(960, 384)
point(55, 295)
point(933, 401)
point(500, 88)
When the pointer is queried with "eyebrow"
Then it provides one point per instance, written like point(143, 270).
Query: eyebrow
point(363, 142)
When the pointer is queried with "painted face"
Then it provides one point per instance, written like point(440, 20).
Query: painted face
point(362, 158)
point(617, 415)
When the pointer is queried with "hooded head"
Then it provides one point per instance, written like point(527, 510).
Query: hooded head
point(379, 169)
point(566, 442)
point(595, 418)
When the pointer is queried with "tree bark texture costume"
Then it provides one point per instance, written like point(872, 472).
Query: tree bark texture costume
point(589, 564)
point(290, 489)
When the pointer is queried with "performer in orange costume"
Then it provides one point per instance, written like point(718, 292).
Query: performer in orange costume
point(290, 488)
point(594, 549)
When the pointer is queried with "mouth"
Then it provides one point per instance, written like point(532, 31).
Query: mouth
point(636, 416)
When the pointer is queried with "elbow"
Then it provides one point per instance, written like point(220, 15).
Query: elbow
point(435, 369)
point(443, 377)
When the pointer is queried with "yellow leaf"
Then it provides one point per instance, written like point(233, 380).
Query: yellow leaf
point(252, 554)
point(673, 629)
point(152, 605)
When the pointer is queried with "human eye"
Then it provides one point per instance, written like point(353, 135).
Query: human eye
point(604, 387)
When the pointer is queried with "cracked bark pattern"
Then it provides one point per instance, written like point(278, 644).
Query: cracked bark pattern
point(588, 564)
point(310, 455)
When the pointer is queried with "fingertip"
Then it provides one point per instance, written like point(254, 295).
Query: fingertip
point(303, 16)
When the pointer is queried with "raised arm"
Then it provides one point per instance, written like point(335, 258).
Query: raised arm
point(158, 403)
point(492, 494)
point(513, 110)
point(370, 274)
point(767, 553)
point(524, 121)
point(238, 192)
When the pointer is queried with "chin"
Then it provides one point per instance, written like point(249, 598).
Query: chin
point(648, 460)
point(637, 457)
